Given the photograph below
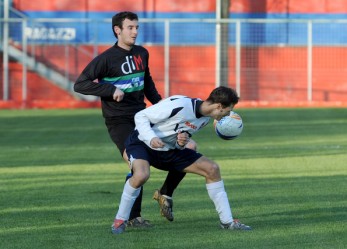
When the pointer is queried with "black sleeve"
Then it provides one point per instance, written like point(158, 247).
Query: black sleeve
point(85, 83)
point(150, 90)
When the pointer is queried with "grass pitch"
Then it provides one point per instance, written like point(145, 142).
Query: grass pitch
point(61, 179)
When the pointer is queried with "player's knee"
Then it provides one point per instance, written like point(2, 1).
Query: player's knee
point(144, 177)
point(139, 178)
point(141, 173)
point(213, 172)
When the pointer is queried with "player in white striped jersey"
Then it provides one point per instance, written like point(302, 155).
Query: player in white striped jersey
point(173, 115)
point(155, 142)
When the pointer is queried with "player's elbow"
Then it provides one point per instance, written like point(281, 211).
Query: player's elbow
point(77, 87)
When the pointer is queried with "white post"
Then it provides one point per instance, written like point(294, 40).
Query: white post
point(309, 61)
point(25, 68)
point(5, 51)
point(238, 57)
point(167, 59)
point(218, 42)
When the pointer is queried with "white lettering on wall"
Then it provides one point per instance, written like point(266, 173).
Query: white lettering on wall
point(43, 33)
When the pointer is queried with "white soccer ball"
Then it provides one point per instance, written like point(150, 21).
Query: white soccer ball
point(229, 127)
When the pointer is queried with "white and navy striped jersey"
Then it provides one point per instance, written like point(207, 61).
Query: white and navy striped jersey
point(166, 118)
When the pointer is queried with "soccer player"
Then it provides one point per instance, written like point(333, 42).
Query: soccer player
point(121, 77)
point(155, 142)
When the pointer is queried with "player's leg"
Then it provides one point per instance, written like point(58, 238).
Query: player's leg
point(164, 195)
point(135, 218)
point(216, 191)
point(132, 188)
point(119, 130)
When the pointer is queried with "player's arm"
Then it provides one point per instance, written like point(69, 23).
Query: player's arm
point(86, 82)
point(85, 85)
point(150, 90)
point(154, 114)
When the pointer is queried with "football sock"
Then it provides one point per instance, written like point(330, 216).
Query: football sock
point(127, 201)
point(136, 209)
point(172, 180)
point(219, 197)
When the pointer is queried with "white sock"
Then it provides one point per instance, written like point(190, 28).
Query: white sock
point(219, 197)
point(127, 201)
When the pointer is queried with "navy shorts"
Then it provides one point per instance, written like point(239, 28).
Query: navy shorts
point(164, 160)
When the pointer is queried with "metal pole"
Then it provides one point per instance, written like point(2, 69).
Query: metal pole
point(309, 61)
point(5, 51)
point(222, 43)
point(25, 68)
point(238, 57)
point(167, 59)
point(224, 53)
point(218, 42)
point(67, 66)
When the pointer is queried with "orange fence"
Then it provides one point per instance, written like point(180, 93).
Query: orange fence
point(275, 76)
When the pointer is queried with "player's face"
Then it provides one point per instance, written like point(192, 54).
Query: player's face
point(221, 112)
point(127, 35)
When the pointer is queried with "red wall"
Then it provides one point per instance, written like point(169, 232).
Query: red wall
point(117, 5)
point(269, 73)
point(237, 6)
point(289, 6)
point(273, 74)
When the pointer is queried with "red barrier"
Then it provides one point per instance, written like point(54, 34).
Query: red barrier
point(177, 6)
point(269, 75)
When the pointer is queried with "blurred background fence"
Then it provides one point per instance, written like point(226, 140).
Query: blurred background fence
point(269, 61)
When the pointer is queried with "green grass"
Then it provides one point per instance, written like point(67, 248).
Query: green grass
point(61, 179)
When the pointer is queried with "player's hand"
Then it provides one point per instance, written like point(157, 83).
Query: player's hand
point(157, 143)
point(182, 138)
point(118, 95)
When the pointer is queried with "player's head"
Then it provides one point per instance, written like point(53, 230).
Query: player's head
point(118, 19)
point(223, 99)
point(223, 95)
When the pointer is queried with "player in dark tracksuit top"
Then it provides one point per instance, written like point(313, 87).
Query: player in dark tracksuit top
point(120, 76)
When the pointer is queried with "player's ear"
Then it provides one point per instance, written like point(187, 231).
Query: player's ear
point(116, 30)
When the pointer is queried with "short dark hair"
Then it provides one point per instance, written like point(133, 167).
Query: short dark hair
point(224, 95)
point(117, 19)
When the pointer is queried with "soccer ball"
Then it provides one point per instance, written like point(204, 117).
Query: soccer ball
point(229, 127)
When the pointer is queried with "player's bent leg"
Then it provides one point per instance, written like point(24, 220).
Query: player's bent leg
point(218, 195)
point(136, 209)
point(206, 168)
point(131, 191)
point(215, 188)
point(135, 218)
point(128, 198)
point(141, 169)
